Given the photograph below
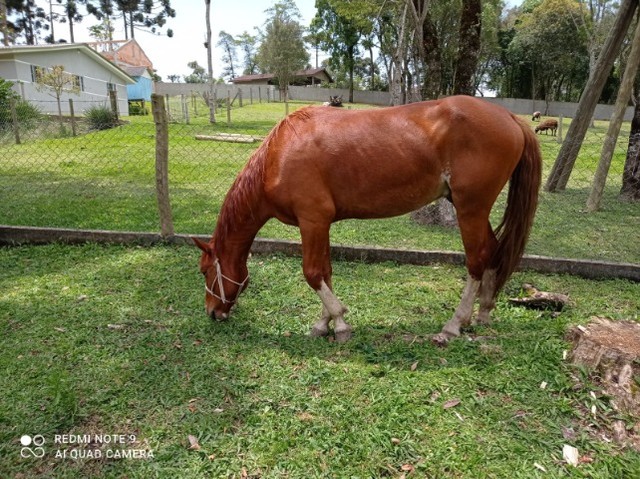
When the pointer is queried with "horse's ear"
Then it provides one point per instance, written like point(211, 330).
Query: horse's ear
point(201, 244)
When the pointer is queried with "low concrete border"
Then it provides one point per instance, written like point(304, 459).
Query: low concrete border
point(17, 235)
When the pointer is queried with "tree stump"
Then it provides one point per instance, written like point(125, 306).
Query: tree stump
point(612, 350)
point(440, 213)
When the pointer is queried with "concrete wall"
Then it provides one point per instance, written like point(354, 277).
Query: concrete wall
point(383, 98)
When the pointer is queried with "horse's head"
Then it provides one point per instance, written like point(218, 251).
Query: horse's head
point(222, 284)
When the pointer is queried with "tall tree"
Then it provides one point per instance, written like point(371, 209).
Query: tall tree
point(4, 27)
point(229, 55)
point(630, 190)
point(209, 96)
point(282, 51)
point(624, 95)
point(570, 148)
point(197, 75)
point(72, 15)
point(468, 47)
point(247, 44)
point(339, 33)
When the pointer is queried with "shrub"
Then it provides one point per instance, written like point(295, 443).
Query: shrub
point(26, 112)
point(100, 118)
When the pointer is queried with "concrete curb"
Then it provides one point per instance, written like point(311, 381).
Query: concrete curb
point(17, 235)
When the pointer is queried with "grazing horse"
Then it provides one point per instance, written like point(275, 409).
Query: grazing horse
point(321, 165)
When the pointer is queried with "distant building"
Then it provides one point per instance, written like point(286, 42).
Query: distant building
point(309, 77)
point(93, 74)
point(128, 55)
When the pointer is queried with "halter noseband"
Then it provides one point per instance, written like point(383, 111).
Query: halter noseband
point(219, 277)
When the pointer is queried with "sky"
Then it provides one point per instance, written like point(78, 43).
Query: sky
point(171, 55)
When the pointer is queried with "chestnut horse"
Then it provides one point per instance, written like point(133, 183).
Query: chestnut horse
point(321, 165)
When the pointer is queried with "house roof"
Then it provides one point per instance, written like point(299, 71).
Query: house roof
point(134, 71)
point(123, 52)
point(309, 72)
point(57, 47)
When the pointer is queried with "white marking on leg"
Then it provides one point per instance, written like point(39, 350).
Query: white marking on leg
point(462, 316)
point(321, 327)
point(335, 310)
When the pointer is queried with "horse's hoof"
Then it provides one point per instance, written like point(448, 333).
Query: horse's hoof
point(343, 336)
point(441, 339)
point(318, 332)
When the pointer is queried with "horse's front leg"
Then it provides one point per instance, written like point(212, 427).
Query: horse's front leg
point(316, 264)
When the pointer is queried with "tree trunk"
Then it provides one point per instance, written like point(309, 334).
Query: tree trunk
point(432, 61)
point(624, 94)
point(609, 351)
point(469, 47)
point(630, 190)
point(395, 88)
point(212, 105)
point(563, 165)
point(3, 23)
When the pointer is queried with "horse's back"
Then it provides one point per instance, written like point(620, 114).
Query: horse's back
point(387, 161)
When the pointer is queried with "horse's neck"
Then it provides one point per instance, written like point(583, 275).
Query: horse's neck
point(238, 224)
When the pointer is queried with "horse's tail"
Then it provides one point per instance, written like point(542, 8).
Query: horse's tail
point(522, 201)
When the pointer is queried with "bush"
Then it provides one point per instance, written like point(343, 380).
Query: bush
point(100, 118)
point(26, 112)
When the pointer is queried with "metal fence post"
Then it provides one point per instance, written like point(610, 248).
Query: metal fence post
point(162, 165)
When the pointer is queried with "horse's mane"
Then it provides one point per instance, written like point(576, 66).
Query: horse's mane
point(250, 181)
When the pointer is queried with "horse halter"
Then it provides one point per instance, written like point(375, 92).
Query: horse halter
point(218, 279)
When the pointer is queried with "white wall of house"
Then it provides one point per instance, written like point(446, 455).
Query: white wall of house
point(96, 81)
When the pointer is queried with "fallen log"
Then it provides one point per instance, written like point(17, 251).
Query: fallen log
point(230, 137)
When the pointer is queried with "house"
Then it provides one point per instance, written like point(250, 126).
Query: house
point(128, 55)
point(93, 74)
point(123, 52)
point(310, 76)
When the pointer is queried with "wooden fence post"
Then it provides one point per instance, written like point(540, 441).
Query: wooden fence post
point(228, 107)
point(113, 98)
point(73, 118)
point(14, 120)
point(162, 165)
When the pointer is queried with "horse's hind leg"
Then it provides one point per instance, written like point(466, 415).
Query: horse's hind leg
point(487, 296)
point(479, 243)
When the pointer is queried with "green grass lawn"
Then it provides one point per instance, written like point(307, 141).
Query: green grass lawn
point(114, 340)
point(106, 180)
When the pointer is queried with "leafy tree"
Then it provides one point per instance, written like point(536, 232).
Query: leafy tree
point(247, 44)
point(282, 51)
point(150, 15)
point(26, 19)
point(339, 32)
point(55, 81)
point(198, 75)
point(554, 45)
point(229, 56)
point(71, 15)
point(174, 78)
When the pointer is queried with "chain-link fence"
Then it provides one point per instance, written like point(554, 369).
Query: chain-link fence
point(89, 178)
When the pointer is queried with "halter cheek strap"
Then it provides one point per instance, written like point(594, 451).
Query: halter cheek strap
point(218, 279)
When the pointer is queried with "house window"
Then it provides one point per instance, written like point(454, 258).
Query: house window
point(37, 72)
point(78, 82)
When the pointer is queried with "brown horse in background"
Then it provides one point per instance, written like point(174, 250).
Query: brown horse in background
point(321, 165)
